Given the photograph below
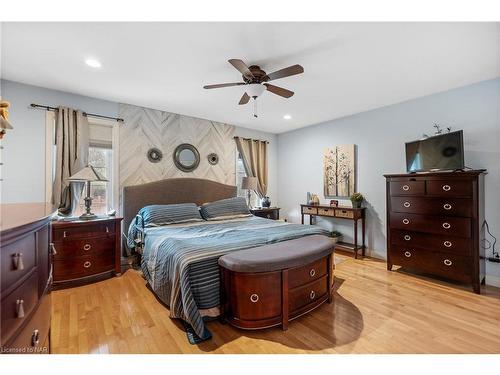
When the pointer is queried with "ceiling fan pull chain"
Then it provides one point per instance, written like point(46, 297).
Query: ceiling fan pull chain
point(255, 107)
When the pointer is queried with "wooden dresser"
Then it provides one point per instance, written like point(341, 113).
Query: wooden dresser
point(86, 251)
point(434, 224)
point(26, 277)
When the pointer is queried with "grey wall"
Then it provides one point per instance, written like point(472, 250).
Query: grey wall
point(380, 136)
point(24, 148)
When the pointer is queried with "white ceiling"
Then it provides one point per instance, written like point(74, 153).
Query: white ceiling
point(349, 67)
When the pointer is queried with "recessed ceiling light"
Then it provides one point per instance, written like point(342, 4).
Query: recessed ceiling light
point(93, 63)
point(287, 117)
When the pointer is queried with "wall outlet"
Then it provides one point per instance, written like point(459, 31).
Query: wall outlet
point(493, 259)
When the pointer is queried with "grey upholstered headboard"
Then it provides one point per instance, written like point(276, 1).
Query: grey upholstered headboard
point(169, 191)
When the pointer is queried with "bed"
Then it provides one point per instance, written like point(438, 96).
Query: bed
point(180, 261)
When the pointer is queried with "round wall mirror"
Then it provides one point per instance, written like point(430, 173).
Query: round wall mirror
point(186, 157)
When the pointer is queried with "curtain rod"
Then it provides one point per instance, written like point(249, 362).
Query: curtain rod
point(47, 108)
point(250, 139)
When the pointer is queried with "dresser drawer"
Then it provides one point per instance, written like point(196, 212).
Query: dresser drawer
point(455, 267)
point(68, 268)
point(18, 259)
point(344, 213)
point(34, 337)
point(310, 210)
point(305, 274)
point(407, 187)
point(300, 297)
point(455, 226)
point(449, 188)
point(18, 305)
point(86, 246)
point(433, 206)
point(258, 297)
point(434, 242)
point(326, 211)
point(77, 231)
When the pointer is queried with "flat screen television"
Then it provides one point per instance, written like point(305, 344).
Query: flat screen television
point(441, 152)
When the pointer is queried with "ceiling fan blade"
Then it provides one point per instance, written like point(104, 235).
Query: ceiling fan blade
point(286, 72)
point(244, 99)
point(242, 67)
point(279, 90)
point(223, 85)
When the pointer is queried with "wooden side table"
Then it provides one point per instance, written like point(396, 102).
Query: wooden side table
point(347, 213)
point(86, 250)
point(272, 213)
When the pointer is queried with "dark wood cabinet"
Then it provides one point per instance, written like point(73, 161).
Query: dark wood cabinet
point(86, 251)
point(434, 224)
point(26, 278)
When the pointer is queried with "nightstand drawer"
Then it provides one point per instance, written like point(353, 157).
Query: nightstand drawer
point(79, 266)
point(85, 246)
point(83, 230)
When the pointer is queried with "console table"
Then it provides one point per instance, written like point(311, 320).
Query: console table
point(347, 213)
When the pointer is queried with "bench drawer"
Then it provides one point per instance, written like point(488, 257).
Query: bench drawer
point(18, 259)
point(306, 294)
point(305, 274)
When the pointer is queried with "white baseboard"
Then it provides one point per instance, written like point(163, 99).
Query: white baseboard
point(493, 280)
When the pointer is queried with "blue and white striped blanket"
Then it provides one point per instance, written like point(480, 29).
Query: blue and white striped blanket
point(180, 261)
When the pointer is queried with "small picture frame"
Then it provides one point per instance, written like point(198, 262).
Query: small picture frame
point(334, 203)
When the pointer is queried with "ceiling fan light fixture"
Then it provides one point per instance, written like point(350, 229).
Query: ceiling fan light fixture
point(254, 90)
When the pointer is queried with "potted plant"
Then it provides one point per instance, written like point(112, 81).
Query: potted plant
point(336, 236)
point(357, 199)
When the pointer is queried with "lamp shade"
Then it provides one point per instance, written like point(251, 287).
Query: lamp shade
point(249, 183)
point(87, 174)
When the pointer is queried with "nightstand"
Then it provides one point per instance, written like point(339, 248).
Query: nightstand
point(272, 213)
point(86, 250)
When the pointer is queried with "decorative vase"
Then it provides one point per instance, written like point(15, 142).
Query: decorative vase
point(266, 202)
point(356, 204)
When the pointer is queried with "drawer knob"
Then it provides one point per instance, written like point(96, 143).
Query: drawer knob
point(407, 254)
point(407, 204)
point(87, 264)
point(18, 261)
point(406, 187)
point(20, 308)
point(446, 225)
point(406, 221)
point(254, 298)
point(447, 243)
point(87, 247)
point(447, 262)
point(107, 229)
point(407, 237)
point(446, 187)
point(312, 272)
point(312, 294)
point(35, 338)
point(53, 249)
point(65, 234)
point(447, 206)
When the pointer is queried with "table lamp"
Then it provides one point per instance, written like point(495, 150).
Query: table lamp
point(249, 183)
point(87, 175)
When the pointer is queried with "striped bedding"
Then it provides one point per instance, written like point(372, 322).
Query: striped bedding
point(180, 261)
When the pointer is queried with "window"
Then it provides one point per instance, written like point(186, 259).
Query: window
point(101, 192)
point(103, 156)
point(240, 173)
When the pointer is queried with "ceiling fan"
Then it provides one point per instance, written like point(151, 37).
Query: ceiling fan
point(256, 81)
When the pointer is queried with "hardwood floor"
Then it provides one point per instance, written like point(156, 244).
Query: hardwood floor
point(374, 311)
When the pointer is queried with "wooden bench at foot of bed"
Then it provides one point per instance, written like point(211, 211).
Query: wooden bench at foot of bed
point(273, 284)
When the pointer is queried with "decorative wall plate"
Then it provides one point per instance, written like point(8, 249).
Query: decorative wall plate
point(213, 158)
point(154, 155)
